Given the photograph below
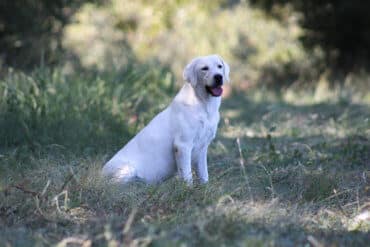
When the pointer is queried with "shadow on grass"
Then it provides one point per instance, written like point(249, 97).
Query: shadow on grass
point(299, 153)
point(250, 112)
point(233, 231)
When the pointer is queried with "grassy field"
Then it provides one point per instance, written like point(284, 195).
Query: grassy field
point(286, 169)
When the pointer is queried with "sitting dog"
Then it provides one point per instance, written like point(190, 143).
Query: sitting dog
point(177, 139)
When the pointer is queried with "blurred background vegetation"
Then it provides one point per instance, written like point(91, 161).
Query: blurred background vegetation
point(291, 37)
point(62, 62)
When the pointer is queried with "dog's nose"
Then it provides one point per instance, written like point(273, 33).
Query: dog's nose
point(218, 79)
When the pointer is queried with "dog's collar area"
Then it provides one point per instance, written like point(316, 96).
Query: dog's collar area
point(214, 91)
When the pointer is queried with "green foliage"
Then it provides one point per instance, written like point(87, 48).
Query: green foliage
point(248, 40)
point(31, 31)
point(84, 111)
point(321, 21)
point(261, 50)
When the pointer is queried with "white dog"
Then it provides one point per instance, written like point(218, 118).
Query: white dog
point(177, 139)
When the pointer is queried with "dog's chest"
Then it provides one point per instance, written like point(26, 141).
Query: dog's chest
point(206, 131)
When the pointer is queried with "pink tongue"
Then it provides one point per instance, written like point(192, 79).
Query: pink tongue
point(216, 91)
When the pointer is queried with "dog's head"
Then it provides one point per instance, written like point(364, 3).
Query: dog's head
point(209, 72)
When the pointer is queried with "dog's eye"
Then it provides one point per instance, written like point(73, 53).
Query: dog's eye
point(205, 68)
point(219, 66)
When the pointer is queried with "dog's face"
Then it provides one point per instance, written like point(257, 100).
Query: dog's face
point(209, 73)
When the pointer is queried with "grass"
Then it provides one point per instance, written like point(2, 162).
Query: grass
point(283, 172)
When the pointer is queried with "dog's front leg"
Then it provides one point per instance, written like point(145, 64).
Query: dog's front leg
point(201, 167)
point(183, 161)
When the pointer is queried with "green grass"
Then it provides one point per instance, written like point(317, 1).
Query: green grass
point(298, 175)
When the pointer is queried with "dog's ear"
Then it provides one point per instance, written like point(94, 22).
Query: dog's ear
point(190, 74)
point(226, 70)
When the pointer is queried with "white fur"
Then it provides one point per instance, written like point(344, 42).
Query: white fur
point(176, 139)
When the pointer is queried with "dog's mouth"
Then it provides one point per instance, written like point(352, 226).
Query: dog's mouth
point(214, 91)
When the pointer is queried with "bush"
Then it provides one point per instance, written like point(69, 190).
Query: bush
point(340, 28)
point(82, 111)
point(31, 31)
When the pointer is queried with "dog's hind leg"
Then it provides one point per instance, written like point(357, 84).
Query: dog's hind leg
point(120, 174)
point(183, 162)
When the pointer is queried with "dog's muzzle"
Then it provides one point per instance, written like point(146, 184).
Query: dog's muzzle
point(216, 88)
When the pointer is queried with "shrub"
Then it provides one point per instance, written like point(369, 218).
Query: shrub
point(84, 111)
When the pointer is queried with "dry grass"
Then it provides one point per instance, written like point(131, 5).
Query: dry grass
point(297, 175)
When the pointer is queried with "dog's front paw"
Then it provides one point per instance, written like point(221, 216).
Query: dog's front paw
point(188, 181)
point(203, 180)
